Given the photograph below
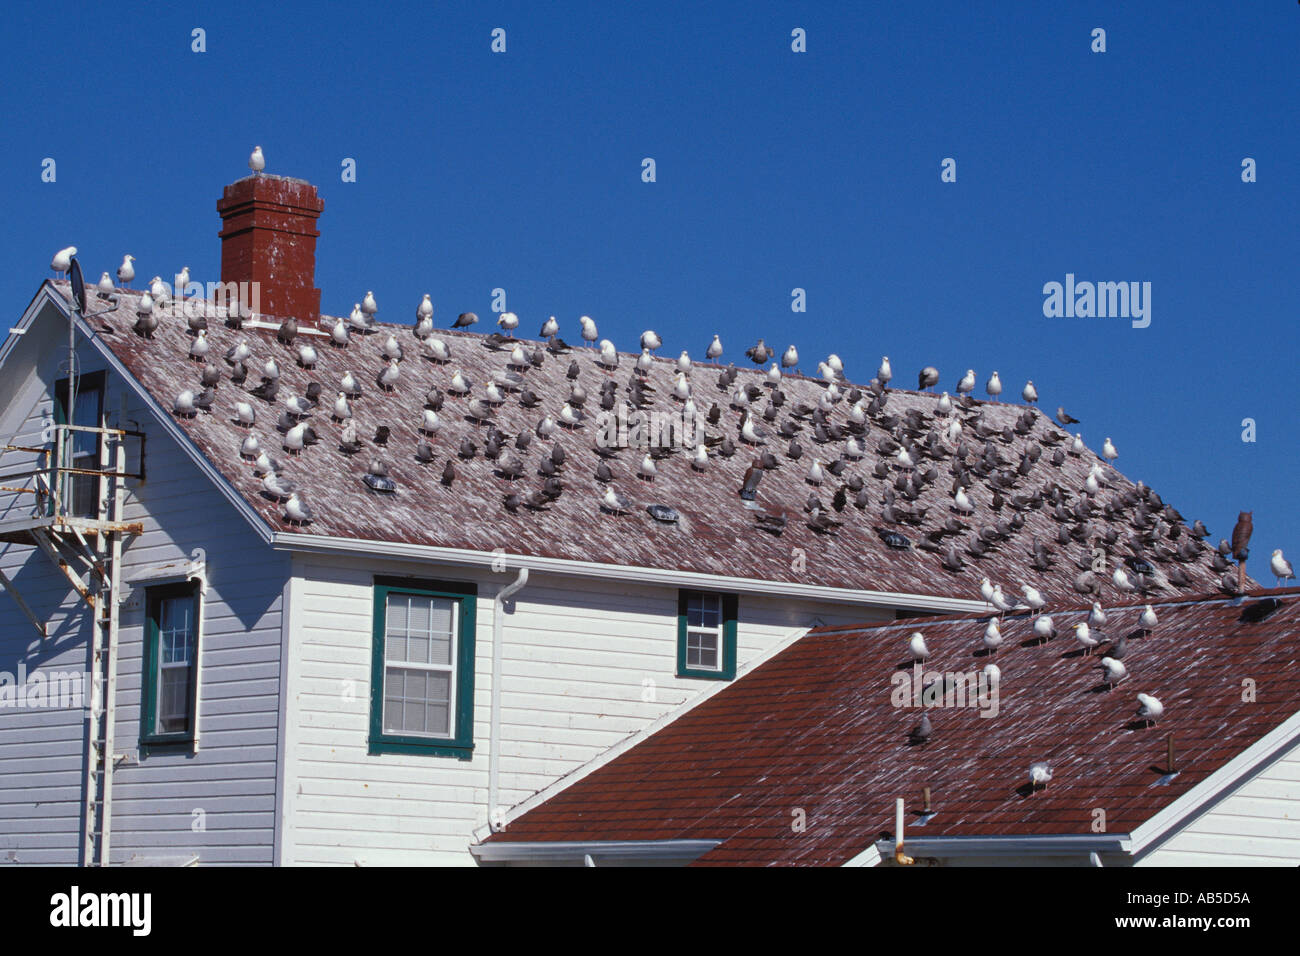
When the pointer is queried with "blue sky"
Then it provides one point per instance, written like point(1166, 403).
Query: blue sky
point(775, 170)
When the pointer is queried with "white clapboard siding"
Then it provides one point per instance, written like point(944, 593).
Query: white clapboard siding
point(218, 804)
point(1257, 824)
point(584, 665)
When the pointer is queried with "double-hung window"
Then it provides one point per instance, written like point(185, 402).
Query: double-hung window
point(422, 682)
point(169, 690)
point(706, 635)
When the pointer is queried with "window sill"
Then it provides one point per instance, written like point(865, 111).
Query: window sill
point(428, 748)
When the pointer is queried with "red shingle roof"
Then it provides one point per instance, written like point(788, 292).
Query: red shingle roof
point(716, 533)
point(815, 728)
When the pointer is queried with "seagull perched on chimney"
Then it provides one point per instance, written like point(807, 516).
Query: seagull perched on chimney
point(256, 161)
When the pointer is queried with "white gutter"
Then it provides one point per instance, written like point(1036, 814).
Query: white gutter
point(424, 553)
point(967, 847)
point(601, 852)
point(494, 755)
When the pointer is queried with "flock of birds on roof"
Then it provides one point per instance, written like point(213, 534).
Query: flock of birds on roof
point(832, 435)
point(1089, 632)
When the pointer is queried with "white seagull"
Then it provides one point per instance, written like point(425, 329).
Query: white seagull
point(967, 383)
point(1149, 708)
point(715, 348)
point(62, 260)
point(1084, 636)
point(918, 647)
point(1281, 567)
point(126, 271)
point(1029, 393)
point(994, 386)
point(256, 161)
point(1040, 774)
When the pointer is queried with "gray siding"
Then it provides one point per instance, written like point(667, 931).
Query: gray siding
point(218, 804)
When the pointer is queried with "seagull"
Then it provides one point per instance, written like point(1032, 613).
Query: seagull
point(992, 636)
point(945, 403)
point(184, 404)
point(715, 349)
point(256, 161)
point(684, 362)
point(608, 354)
point(1108, 452)
point(928, 377)
point(1121, 581)
point(1113, 670)
point(613, 501)
point(307, 355)
point(649, 340)
point(923, 731)
point(1096, 617)
point(760, 353)
point(368, 305)
point(701, 457)
point(439, 349)
point(126, 271)
point(358, 318)
point(986, 591)
point(1148, 619)
point(389, 376)
point(962, 503)
point(199, 347)
point(1281, 567)
point(351, 388)
point(105, 285)
point(884, 373)
point(1044, 630)
point(791, 358)
point(342, 408)
point(999, 600)
point(295, 438)
point(459, 384)
point(250, 447)
point(1029, 393)
point(508, 321)
point(1040, 774)
point(297, 510)
point(549, 327)
point(1033, 598)
point(62, 260)
point(1085, 637)
point(917, 646)
point(967, 383)
point(391, 349)
point(589, 333)
point(1149, 708)
point(994, 386)
point(1064, 418)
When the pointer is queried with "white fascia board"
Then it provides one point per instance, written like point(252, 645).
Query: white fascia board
point(1217, 785)
point(637, 851)
point(165, 420)
point(423, 553)
point(868, 857)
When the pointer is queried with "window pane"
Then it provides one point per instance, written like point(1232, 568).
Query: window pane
point(417, 701)
point(418, 629)
point(704, 610)
point(702, 650)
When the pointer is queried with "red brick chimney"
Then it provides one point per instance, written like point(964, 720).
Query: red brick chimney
point(269, 237)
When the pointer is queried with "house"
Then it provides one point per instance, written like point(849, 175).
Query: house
point(376, 668)
point(803, 761)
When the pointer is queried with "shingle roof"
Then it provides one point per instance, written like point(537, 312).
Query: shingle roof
point(716, 533)
point(815, 728)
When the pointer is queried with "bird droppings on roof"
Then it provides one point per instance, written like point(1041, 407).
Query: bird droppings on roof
point(817, 728)
point(892, 508)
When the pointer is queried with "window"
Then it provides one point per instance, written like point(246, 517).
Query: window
point(168, 714)
point(422, 679)
point(706, 635)
point(81, 492)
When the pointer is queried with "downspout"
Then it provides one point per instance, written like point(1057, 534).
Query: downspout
point(498, 632)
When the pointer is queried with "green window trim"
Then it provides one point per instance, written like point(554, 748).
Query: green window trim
point(730, 605)
point(460, 743)
point(149, 738)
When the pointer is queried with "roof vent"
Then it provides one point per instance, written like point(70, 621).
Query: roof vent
point(1256, 611)
point(380, 483)
point(663, 513)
